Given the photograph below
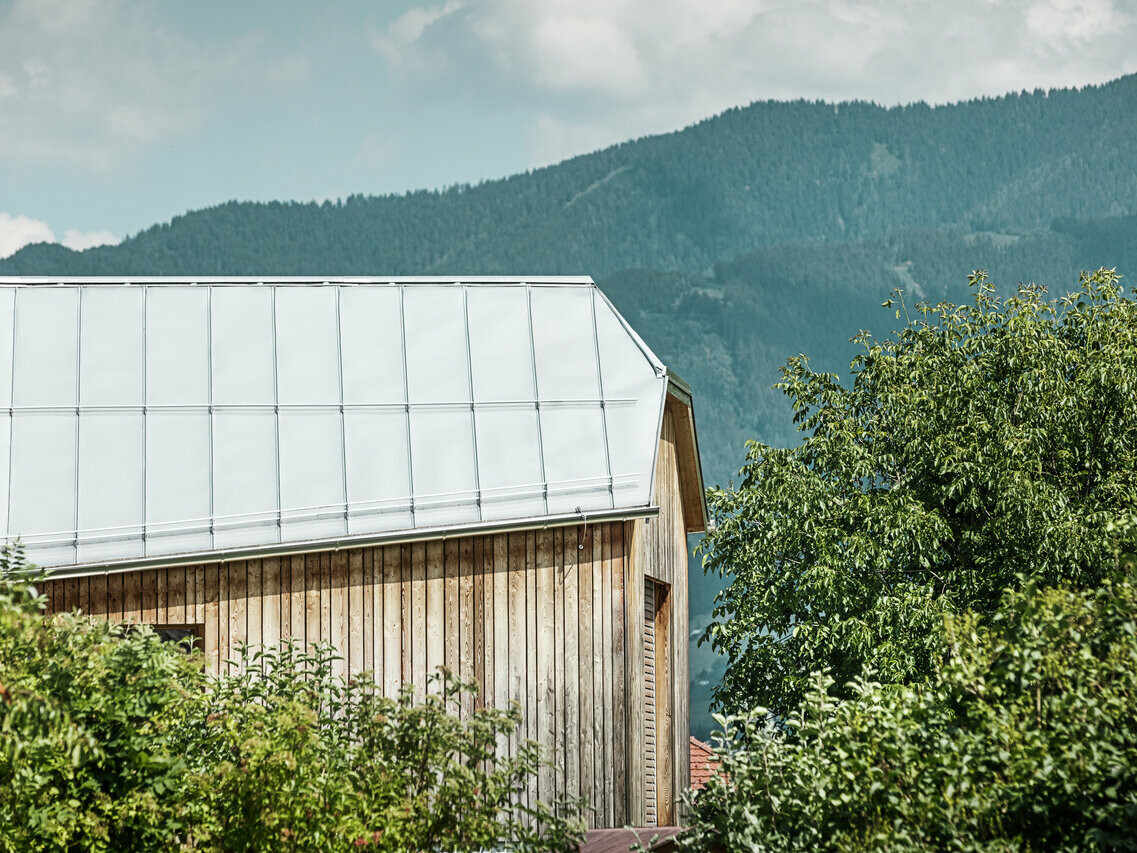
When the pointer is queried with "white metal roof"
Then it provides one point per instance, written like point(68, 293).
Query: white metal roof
point(149, 417)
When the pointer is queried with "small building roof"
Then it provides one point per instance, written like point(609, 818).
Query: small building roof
point(147, 419)
point(704, 764)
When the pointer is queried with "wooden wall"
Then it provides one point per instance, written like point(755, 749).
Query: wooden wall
point(537, 617)
point(659, 551)
point(553, 619)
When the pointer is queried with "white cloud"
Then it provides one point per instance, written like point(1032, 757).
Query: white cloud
point(614, 69)
point(80, 240)
point(394, 40)
point(88, 83)
point(1068, 23)
point(18, 231)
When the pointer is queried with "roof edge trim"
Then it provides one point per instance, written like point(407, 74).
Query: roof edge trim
point(362, 540)
point(126, 280)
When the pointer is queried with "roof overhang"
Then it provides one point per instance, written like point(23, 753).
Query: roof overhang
point(692, 491)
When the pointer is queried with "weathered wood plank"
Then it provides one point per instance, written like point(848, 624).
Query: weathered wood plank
point(466, 619)
point(254, 593)
point(199, 585)
point(546, 671)
point(500, 616)
point(238, 609)
point(610, 662)
point(451, 631)
point(393, 626)
point(532, 728)
point(406, 599)
point(419, 658)
point(560, 758)
point(114, 595)
point(271, 632)
point(489, 680)
point(371, 634)
point(312, 578)
point(353, 650)
point(212, 619)
point(98, 596)
point(479, 620)
point(516, 635)
point(162, 599)
point(176, 590)
point(327, 627)
point(297, 600)
point(149, 597)
point(339, 583)
point(589, 723)
point(572, 681)
point(133, 597)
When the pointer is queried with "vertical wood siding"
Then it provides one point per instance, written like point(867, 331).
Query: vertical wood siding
point(659, 552)
point(535, 617)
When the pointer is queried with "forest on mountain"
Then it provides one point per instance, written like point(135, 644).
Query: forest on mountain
point(766, 231)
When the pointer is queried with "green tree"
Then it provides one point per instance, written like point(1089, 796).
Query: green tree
point(985, 444)
point(1025, 738)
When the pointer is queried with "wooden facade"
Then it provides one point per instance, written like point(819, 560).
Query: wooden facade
point(553, 618)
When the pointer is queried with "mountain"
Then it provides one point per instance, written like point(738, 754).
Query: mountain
point(766, 231)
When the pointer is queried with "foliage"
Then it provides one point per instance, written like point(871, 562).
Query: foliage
point(85, 723)
point(113, 740)
point(291, 757)
point(987, 443)
point(1024, 739)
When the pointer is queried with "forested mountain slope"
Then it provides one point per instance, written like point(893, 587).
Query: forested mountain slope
point(766, 231)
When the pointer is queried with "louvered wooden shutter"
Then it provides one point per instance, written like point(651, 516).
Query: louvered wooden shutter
point(650, 764)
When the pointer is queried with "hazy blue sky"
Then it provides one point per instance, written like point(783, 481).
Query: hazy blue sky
point(115, 114)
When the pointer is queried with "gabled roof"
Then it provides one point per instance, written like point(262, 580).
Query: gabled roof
point(145, 418)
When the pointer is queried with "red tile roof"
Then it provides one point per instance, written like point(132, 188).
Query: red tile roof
point(704, 765)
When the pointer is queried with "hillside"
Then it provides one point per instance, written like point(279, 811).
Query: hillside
point(765, 231)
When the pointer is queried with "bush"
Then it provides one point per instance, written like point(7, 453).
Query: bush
point(114, 740)
point(86, 717)
point(290, 757)
point(1024, 739)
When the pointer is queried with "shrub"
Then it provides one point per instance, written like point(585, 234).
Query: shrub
point(86, 717)
point(291, 757)
point(114, 740)
point(1024, 739)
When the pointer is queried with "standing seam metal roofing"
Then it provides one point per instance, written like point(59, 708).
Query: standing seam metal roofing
point(155, 417)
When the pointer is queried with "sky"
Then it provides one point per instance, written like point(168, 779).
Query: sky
point(116, 114)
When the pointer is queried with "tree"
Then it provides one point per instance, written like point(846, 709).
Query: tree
point(1025, 738)
point(985, 445)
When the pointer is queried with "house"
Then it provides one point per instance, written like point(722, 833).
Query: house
point(492, 475)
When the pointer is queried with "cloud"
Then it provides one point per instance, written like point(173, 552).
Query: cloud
point(19, 231)
point(394, 42)
point(607, 70)
point(80, 240)
point(89, 83)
